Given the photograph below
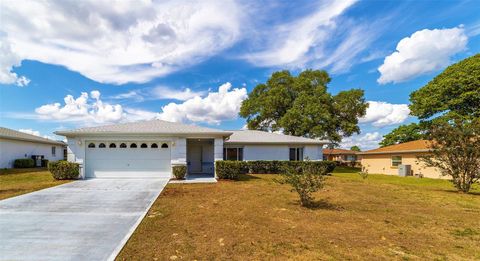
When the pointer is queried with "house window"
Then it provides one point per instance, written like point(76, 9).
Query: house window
point(54, 151)
point(102, 145)
point(233, 154)
point(296, 154)
point(133, 145)
point(154, 146)
point(144, 145)
point(123, 145)
point(91, 145)
point(164, 146)
point(112, 145)
point(396, 160)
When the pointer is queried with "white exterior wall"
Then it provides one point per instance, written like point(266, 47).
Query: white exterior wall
point(11, 150)
point(278, 152)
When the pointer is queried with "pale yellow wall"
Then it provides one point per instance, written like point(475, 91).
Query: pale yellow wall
point(382, 164)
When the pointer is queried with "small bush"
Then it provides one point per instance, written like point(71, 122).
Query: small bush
point(24, 163)
point(64, 170)
point(304, 179)
point(229, 169)
point(179, 171)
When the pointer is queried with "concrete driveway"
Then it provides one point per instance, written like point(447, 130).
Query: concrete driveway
point(83, 220)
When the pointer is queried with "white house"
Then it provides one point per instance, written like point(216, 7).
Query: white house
point(18, 145)
point(151, 148)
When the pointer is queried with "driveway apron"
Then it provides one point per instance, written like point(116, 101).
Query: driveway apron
point(82, 220)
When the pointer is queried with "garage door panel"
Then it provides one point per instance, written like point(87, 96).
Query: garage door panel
point(127, 162)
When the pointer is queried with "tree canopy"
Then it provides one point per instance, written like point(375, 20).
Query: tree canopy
point(403, 133)
point(454, 92)
point(355, 148)
point(301, 106)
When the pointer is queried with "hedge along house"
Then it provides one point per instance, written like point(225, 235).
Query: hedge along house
point(18, 145)
point(149, 149)
point(386, 160)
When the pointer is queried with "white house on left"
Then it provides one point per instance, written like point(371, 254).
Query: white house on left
point(18, 145)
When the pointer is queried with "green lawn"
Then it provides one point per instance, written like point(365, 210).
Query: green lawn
point(14, 182)
point(380, 218)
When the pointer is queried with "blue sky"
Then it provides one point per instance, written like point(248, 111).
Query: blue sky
point(195, 61)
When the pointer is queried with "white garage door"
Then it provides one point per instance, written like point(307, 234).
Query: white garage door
point(127, 160)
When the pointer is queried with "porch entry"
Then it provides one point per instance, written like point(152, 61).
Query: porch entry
point(200, 156)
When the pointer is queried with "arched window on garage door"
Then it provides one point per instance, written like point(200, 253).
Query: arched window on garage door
point(144, 145)
point(91, 145)
point(112, 145)
point(123, 145)
point(133, 145)
point(164, 146)
point(102, 145)
point(154, 146)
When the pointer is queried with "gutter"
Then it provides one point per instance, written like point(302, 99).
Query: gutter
point(393, 152)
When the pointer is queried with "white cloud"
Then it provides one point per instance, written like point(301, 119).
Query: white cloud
point(84, 108)
point(423, 52)
point(214, 108)
point(36, 133)
point(164, 92)
point(383, 113)
point(121, 42)
point(321, 39)
point(8, 60)
point(89, 109)
point(365, 141)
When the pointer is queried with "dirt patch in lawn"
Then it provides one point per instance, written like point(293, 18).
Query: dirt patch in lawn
point(14, 182)
point(256, 219)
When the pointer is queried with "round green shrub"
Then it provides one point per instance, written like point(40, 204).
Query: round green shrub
point(23, 163)
point(179, 171)
point(64, 170)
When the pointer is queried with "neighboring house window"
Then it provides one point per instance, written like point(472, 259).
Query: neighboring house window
point(296, 154)
point(154, 145)
point(102, 145)
point(396, 160)
point(144, 145)
point(54, 150)
point(233, 154)
point(112, 145)
point(91, 145)
point(133, 145)
point(164, 146)
point(123, 145)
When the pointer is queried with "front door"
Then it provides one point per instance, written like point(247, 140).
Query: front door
point(195, 159)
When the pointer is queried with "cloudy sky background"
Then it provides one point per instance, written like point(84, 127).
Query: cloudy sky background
point(68, 64)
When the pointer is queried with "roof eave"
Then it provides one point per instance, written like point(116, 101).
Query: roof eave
point(181, 134)
point(34, 140)
point(393, 152)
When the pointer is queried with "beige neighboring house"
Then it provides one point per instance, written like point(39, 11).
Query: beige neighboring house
point(18, 145)
point(387, 160)
point(346, 157)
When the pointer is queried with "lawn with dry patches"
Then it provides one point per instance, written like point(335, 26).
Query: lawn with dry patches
point(14, 182)
point(380, 218)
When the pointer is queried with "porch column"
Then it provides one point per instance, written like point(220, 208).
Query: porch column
point(218, 151)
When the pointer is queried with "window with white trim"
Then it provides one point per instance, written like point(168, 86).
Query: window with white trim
point(54, 150)
point(396, 160)
point(296, 154)
point(233, 154)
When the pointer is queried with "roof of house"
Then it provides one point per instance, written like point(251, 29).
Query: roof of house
point(263, 137)
point(338, 151)
point(411, 146)
point(10, 134)
point(145, 127)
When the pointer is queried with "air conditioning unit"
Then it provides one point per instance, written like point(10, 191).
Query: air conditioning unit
point(404, 170)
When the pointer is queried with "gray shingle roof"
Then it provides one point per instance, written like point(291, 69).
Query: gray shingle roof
point(10, 134)
point(145, 127)
point(262, 137)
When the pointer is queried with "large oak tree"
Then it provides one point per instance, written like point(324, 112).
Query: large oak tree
point(302, 106)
